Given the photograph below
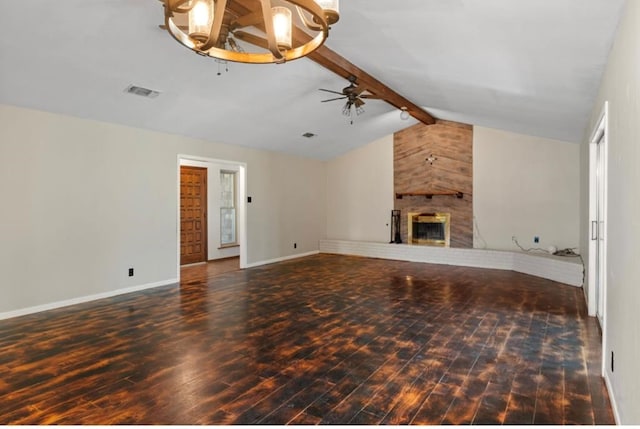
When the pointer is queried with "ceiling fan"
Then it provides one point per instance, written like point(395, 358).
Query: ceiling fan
point(354, 95)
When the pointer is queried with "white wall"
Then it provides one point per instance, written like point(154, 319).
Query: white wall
point(82, 201)
point(360, 193)
point(621, 88)
point(214, 251)
point(525, 186)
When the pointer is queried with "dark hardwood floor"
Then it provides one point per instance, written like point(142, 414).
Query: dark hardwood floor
point(205, 271)
point(323, 339)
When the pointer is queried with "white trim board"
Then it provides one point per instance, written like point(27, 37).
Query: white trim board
point(83, 299)
point(612, 398)
point(281, 259)
point(566, 270)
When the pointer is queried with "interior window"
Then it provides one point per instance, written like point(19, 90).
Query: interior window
point(228, 208)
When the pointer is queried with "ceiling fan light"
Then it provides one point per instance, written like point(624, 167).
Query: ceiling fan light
point(200, 19)
point(331, 10)
point(404, 113)
point(282, 26)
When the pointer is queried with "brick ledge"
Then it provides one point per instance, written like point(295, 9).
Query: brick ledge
point(566, 270)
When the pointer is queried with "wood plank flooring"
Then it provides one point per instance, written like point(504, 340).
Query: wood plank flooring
point(205, 271)
point(319, 340)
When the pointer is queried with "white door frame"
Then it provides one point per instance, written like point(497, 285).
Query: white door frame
point(600, 136)
point(242, 203)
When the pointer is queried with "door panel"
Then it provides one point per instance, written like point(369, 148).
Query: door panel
point(600, 214)
point(193, 215)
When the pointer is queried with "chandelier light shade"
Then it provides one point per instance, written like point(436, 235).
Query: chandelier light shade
point(200, 19)
point(331, 10)
point(250, 31)
point(282, 27)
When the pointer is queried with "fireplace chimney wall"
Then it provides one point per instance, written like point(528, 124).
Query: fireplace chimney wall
point(436, 158)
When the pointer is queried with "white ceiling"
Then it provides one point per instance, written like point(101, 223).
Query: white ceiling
point(529, 66)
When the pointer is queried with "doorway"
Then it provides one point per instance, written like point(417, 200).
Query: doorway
point(598, 224)
point(214, 234)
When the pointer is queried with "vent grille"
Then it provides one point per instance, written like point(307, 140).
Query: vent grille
point(143, 92)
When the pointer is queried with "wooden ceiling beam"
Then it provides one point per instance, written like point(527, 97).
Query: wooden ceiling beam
point(342, 67)
point(339, 65)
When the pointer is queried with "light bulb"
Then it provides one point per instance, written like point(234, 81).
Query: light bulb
point(282, 26)
point(404, 114)
point(200, 19)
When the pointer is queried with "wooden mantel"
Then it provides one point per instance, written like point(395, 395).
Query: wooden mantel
point(429, 195)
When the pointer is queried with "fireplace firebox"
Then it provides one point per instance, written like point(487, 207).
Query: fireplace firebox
point(428, 229)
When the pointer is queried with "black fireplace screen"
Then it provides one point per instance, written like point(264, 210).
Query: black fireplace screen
point(428, 230)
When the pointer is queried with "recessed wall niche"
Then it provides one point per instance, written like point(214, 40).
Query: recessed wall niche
point(436, 160)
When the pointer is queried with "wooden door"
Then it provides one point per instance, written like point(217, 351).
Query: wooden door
point(193, 215)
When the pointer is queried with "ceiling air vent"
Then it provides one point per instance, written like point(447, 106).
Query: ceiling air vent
point(143, 92)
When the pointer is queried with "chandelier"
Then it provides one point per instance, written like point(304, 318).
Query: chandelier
point(251, 31)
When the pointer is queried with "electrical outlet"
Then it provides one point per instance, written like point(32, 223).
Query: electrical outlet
point(130, 272)
point(536, 239)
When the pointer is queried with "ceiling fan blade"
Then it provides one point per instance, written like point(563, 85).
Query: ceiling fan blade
point(370, 96)
point(359, 102)
point(328, 90)
point(333, 99)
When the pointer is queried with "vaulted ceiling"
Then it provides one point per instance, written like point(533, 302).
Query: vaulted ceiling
point(528, 66)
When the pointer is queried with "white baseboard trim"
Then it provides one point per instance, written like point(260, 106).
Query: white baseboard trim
point(283, 258)
point(83, 299)
point(612, 398)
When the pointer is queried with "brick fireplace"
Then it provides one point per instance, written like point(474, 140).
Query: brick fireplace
point(433, 174)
